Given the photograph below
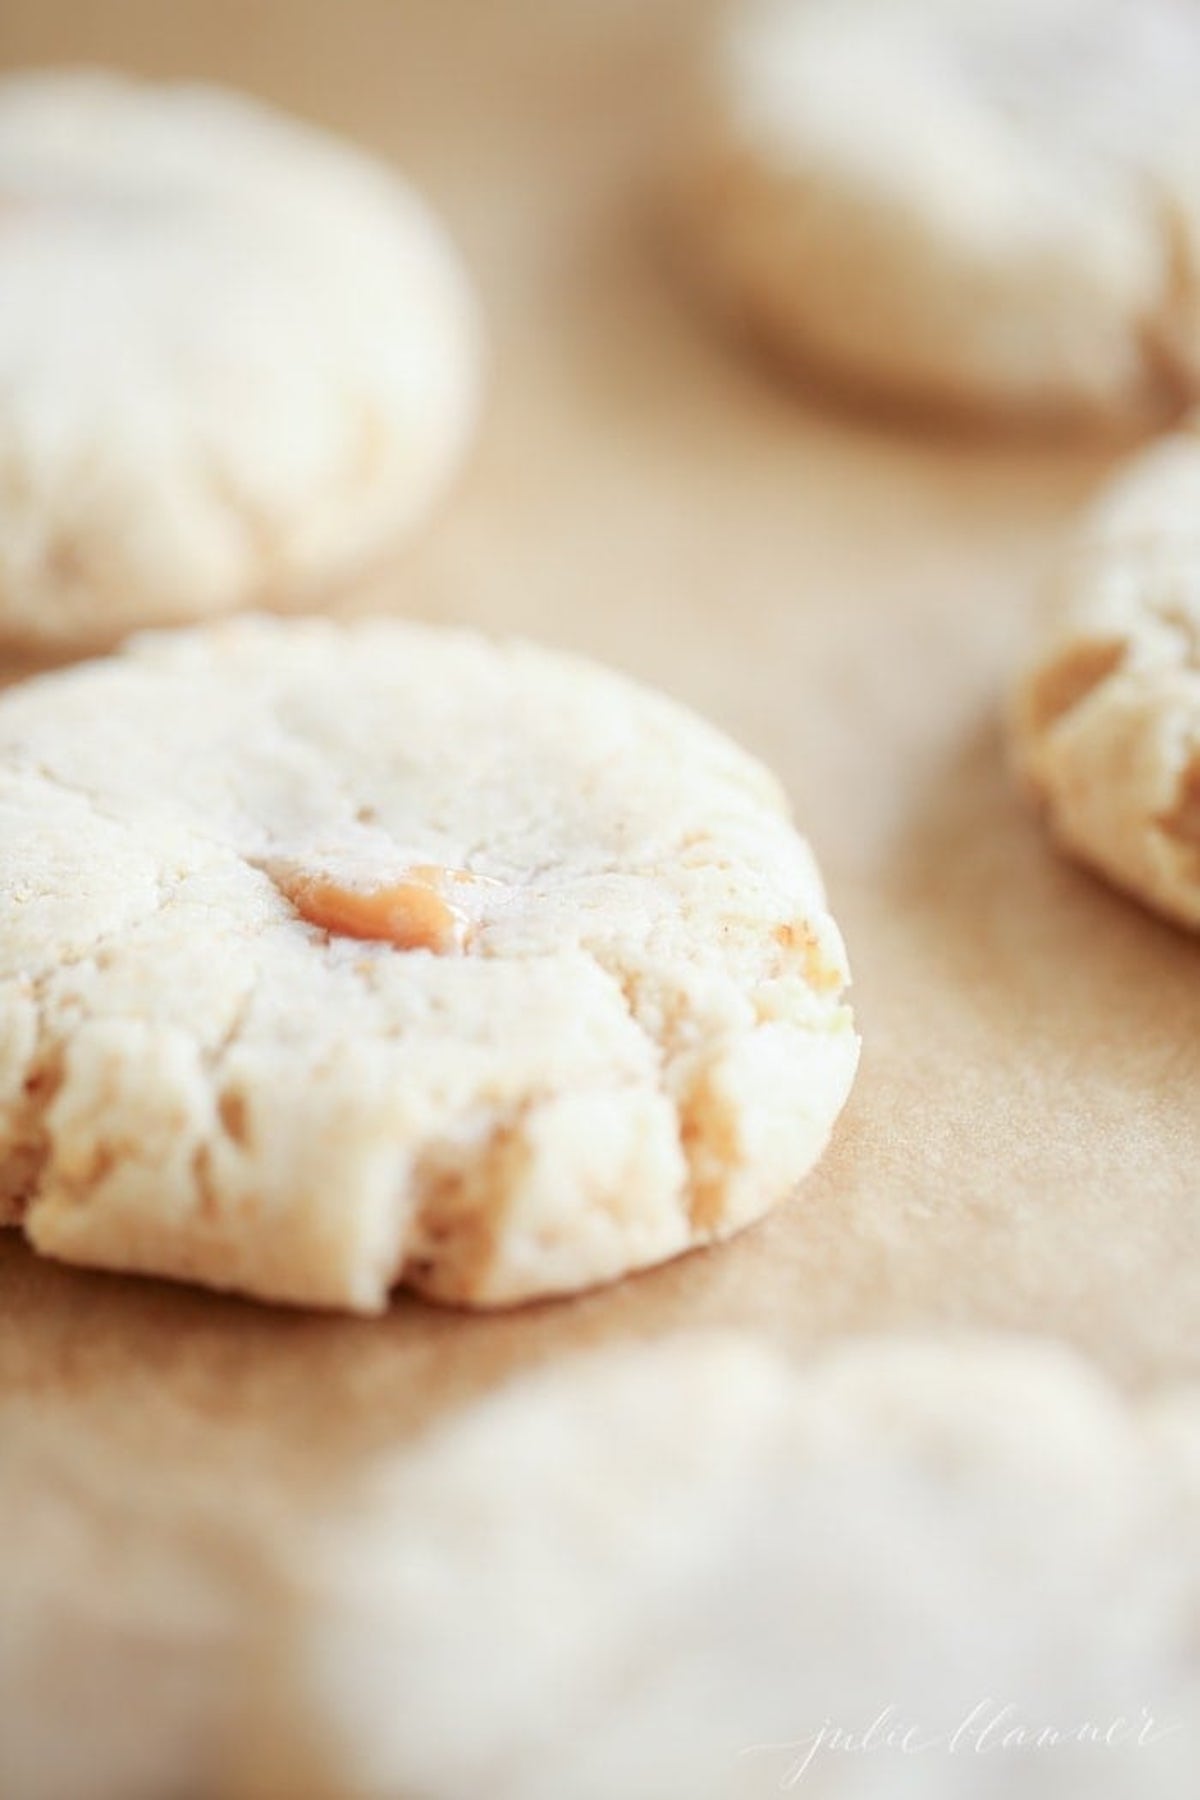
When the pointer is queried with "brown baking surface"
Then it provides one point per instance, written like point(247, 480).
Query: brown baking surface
point(844, 597)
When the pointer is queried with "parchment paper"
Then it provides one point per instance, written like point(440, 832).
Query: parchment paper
point(844, 595)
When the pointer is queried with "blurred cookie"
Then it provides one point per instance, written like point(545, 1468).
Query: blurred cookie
point(1107, 715)
point(729, 1571)
point(984, 206)
point(335, 957)
point(237, 357)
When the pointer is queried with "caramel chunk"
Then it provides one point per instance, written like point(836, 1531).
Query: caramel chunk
point(412, 913)
point(821, 975)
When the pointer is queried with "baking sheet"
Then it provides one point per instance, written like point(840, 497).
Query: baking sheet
point(843, 595)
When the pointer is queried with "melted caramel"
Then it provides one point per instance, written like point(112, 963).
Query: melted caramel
point(412, 913)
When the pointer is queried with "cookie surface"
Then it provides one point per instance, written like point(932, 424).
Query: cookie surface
point(238, 357)
point(985, 206)
point(335, 957)
point(1106, 718)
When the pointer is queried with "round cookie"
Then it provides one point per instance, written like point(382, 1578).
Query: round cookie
point(984, 206)
point(238, 357)
point(1106, 718)
point(333, 957)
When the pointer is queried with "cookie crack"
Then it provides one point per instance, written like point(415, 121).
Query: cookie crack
point(706, 1131)
point(696, 1198)
point(80, 791)
point(26, 1149)
point(52, 778)
point(24, 1160)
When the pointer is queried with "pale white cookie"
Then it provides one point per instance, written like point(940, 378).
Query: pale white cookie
point(335, 957)
point(1106, 718)
point(237, 357)
point(991, 206)
point(690, 1569)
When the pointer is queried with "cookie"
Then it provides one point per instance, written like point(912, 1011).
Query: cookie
point(1106, 717)
point(987, 207)
point(336, 957)
point(238, 358)
point(909, 1542)
point(696, 1550)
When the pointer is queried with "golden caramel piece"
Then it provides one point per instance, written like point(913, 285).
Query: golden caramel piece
point(821, 974)
point(412, 913)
